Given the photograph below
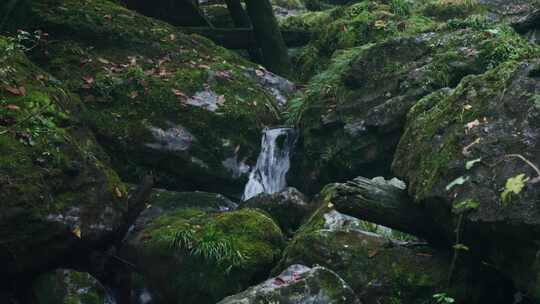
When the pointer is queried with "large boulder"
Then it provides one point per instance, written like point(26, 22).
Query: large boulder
point(288, 207)
point(298, 284)
point(157, 98)
point(70, 287)
point(471, 156)
point(195, 256)
point(353, 114)
point(378, 269)
point(58, 195)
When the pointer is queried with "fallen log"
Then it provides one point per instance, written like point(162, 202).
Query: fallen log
point(528, 23)
point(244, 38)
point(385, 203)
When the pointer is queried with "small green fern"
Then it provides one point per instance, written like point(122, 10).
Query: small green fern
point(210, 245)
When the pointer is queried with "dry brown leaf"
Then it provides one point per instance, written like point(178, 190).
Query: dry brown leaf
point(178, 93)
point(372, 253)
point(103, 60)
point(14, 91)
point(12, 107)
point(88, 79)
point(118, 192)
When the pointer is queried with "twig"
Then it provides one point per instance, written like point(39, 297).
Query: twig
point(528, 162)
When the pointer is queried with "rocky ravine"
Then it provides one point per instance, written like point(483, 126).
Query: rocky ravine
point(442, 94)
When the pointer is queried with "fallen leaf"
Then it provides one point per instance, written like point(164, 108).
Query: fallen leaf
point(117, 192)
point(467, 107)
point(237, 149)
point(88, 79)
point(471, 125)
point(458, 181)
point(279, 281)
point(259, 72)
point(372, 253)
point(103, 60)
point(23, 91)
point(172, 37)
point(179, 93)
point(471, 163)
point(116, 115)
point(12, 107)
point(133, 94)
point(108, 17)
point(14, 91)
point(221, 99)
point(77, 231)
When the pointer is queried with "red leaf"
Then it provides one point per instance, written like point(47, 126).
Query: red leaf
point(372, 253)
point(279, 281)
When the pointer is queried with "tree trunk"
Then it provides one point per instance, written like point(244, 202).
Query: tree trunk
point(268, 36)
point(243, 38)
point(383, 203)
point(241, 20)
point(176, 12)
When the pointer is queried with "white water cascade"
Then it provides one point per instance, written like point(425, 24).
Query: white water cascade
point(269, 174)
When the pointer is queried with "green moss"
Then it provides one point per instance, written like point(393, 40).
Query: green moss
point(134, 73)
point(437, 112)
point(195, 274)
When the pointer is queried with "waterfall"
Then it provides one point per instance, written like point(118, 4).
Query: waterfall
point(269, 174)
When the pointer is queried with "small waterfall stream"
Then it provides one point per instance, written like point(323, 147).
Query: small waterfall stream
point(269, 174)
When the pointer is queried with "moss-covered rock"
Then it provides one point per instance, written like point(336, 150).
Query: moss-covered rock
point(288, 208)
point(377, 268)
point(473, 151)
point(157, 98)
point(69, 287)
point(298, 284)
point(57, 192)
point(352, 115)
point(194, 256)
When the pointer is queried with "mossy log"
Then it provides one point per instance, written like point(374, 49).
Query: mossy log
point(244, 38)
point(384, 203)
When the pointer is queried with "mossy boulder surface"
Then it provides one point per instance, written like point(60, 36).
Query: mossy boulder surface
point(288, 208)
point(353, 114)
point(157, 98)
point(298, 284)
point(194, 256)
point(68, 287)
point(56, 190)
point(473, 152)
point(378, 270)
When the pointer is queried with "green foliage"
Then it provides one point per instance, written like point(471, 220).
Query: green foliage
point(210, 245)
point(443, 298)
point(514, 185)
point(465, 205)
point(400, 7)
point(504, 46)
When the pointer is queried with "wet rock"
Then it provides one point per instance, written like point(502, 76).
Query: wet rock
point(68, 286)
point(298, 284)
point(354, 127)
point(196, 256)
point(49, 211)
point(481, 165)
point(378, 269)
point(288, 207)
point(158, 99)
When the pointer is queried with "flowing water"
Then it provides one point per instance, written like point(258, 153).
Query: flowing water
point(269, 174)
